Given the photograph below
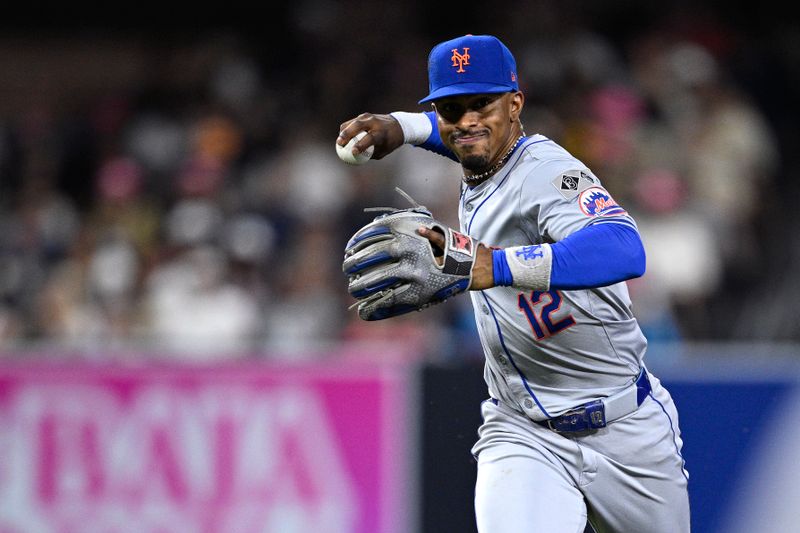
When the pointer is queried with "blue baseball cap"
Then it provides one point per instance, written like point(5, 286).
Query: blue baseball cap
point(472, 64)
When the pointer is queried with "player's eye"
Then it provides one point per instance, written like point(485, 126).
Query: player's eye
point(483, 102)
point(453, 110)
point(449, 107)
point(450, 111)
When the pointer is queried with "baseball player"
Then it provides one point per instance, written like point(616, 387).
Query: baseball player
point(576, 428)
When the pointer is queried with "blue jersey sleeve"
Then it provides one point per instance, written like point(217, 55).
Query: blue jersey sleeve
point(434, 142)
point(597, 256)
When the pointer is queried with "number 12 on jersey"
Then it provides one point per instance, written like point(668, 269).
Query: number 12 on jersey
point(539, 308)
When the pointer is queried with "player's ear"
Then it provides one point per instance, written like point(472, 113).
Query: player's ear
point(517, 103)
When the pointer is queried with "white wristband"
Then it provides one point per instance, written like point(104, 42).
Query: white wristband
point(416, 126)
point(530, 266)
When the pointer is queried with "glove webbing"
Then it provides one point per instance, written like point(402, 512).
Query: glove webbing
point(416, 205)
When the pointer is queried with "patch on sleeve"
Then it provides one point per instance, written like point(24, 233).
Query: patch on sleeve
point(570, 184)
point(596, 202)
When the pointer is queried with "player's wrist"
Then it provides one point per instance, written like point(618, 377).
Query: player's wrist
point(524, 267)
point(481, 276)
point(416, 126)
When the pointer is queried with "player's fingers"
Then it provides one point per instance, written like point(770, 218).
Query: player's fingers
point(351, 128)
point(383, 133)
point(345, 135)
point(347, 131)
point(436, 237)
point(346, 123)
point(437, 241)
point(363, 143)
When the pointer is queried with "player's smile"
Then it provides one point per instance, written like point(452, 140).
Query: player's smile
point(477, 127)
point(471, 144)
point(469, 138)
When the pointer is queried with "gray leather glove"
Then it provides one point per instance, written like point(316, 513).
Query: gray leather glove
point(393, 270)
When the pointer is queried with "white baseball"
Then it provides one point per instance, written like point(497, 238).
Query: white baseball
point(345, 152)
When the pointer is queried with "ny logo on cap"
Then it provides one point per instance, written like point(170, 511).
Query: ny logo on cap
point(459, 60)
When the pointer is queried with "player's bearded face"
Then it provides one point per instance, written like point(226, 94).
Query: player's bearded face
point(475, 128)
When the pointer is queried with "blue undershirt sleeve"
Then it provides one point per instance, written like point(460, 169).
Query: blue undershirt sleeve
point(434, 142)
point(596, 256)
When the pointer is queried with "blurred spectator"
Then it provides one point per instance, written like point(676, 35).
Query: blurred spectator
point(684, 259)
point(305, 315)
point(156, 141)
point(36, 237)
point(192, 310)
point(122, 205)
point(318, 183)
point(724, 145)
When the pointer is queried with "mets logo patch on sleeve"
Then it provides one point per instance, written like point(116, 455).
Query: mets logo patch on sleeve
point(596, 202)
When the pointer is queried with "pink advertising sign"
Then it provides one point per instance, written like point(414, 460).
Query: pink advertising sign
point(243, 448)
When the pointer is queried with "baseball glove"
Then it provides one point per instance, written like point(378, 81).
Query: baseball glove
point(393, 270)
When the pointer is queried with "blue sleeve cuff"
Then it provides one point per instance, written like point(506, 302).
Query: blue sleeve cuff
point(500, 270)
point(434, 142)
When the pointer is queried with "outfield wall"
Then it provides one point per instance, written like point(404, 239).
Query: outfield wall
point(166, 448)
point(346, 446)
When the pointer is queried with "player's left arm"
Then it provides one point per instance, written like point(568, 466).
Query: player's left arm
point(595, 256)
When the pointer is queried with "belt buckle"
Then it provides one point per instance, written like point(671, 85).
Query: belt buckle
point(596, 412)
point(588, 416)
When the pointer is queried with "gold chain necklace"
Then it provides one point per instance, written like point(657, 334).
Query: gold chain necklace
point(476, 178)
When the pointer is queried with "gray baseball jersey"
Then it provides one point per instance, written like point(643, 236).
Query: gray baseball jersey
point(549, 352)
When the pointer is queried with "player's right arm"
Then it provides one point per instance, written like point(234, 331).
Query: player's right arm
point(389, 132)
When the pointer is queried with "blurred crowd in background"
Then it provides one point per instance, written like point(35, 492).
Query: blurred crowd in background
point(177, 190)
